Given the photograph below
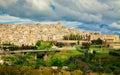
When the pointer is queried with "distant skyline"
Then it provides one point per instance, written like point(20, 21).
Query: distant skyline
point(91, 15)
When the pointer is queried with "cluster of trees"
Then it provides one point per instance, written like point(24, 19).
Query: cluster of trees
point(59, 44)
point(97, 42)
point(73, 37)
point(44, 44)
point(115, 52)
point(27, 70)
point(76, 67)
point(21, 60)
point(39, 45)
point(15, 47)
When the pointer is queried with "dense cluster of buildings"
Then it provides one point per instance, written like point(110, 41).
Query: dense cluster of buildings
point(29, 34)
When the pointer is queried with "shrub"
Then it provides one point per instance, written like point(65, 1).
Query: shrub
point(55, 61)
point(115, 52)
point(44, 44)
point(59, 44)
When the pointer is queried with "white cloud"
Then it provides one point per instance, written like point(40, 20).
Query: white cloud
point(12, 19)
point(73, 24)
point(115, 25)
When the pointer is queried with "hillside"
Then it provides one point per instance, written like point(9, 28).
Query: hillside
point(28, 34)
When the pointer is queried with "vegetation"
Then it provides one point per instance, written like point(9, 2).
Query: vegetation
point(44, 44)
point(39, 45)
point(26, 70)
point(74, 60)
point(8, 46)
point(73, 37)
point(97, 42)
point(59, 44)
point(86, 59)
point(115, 52)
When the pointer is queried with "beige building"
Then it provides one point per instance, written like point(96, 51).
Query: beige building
point(115, 46)
point(106, 38)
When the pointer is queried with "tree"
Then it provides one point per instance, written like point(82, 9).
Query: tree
point(73, 37)
point(44, 44)
point(56, 61)
point(59, 44)
point(24, 60)
point(97, 42)
point(39, 63)
point(86, 47)
point(38, 43)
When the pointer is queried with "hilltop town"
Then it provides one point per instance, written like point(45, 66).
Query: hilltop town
point(29, 34)
point(58, 49)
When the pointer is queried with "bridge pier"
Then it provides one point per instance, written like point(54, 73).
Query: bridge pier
point(45, 56)
point(23, 53)
point(35, 55)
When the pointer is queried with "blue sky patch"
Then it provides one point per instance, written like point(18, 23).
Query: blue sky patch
point(52, 7)
point(3, 12)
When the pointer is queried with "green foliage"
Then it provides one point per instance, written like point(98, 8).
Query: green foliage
point(115, 52)
point(95, 46)
point(73, 37)
point(39, 63)
point(44, 44)
point(13, 47)
point(40, 54)
point(79, 48)
point(38, 43)
point(76, 72)
point(26, 47)
point(55, 61)
point(15, 70)
point(8, 58)
point(26, 60)
point(59, 44)
point(8, 44)
point(25, 70)
point(85, 46)
point(67, 54)
point(75, 62)
point(21, 60)
point(97, 42)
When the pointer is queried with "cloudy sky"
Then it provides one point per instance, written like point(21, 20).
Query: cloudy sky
point(91, 15)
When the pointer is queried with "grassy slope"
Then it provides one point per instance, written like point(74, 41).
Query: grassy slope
point(67, 54)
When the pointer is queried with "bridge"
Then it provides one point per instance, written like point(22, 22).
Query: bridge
point(32, 51)
point(28, 51)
